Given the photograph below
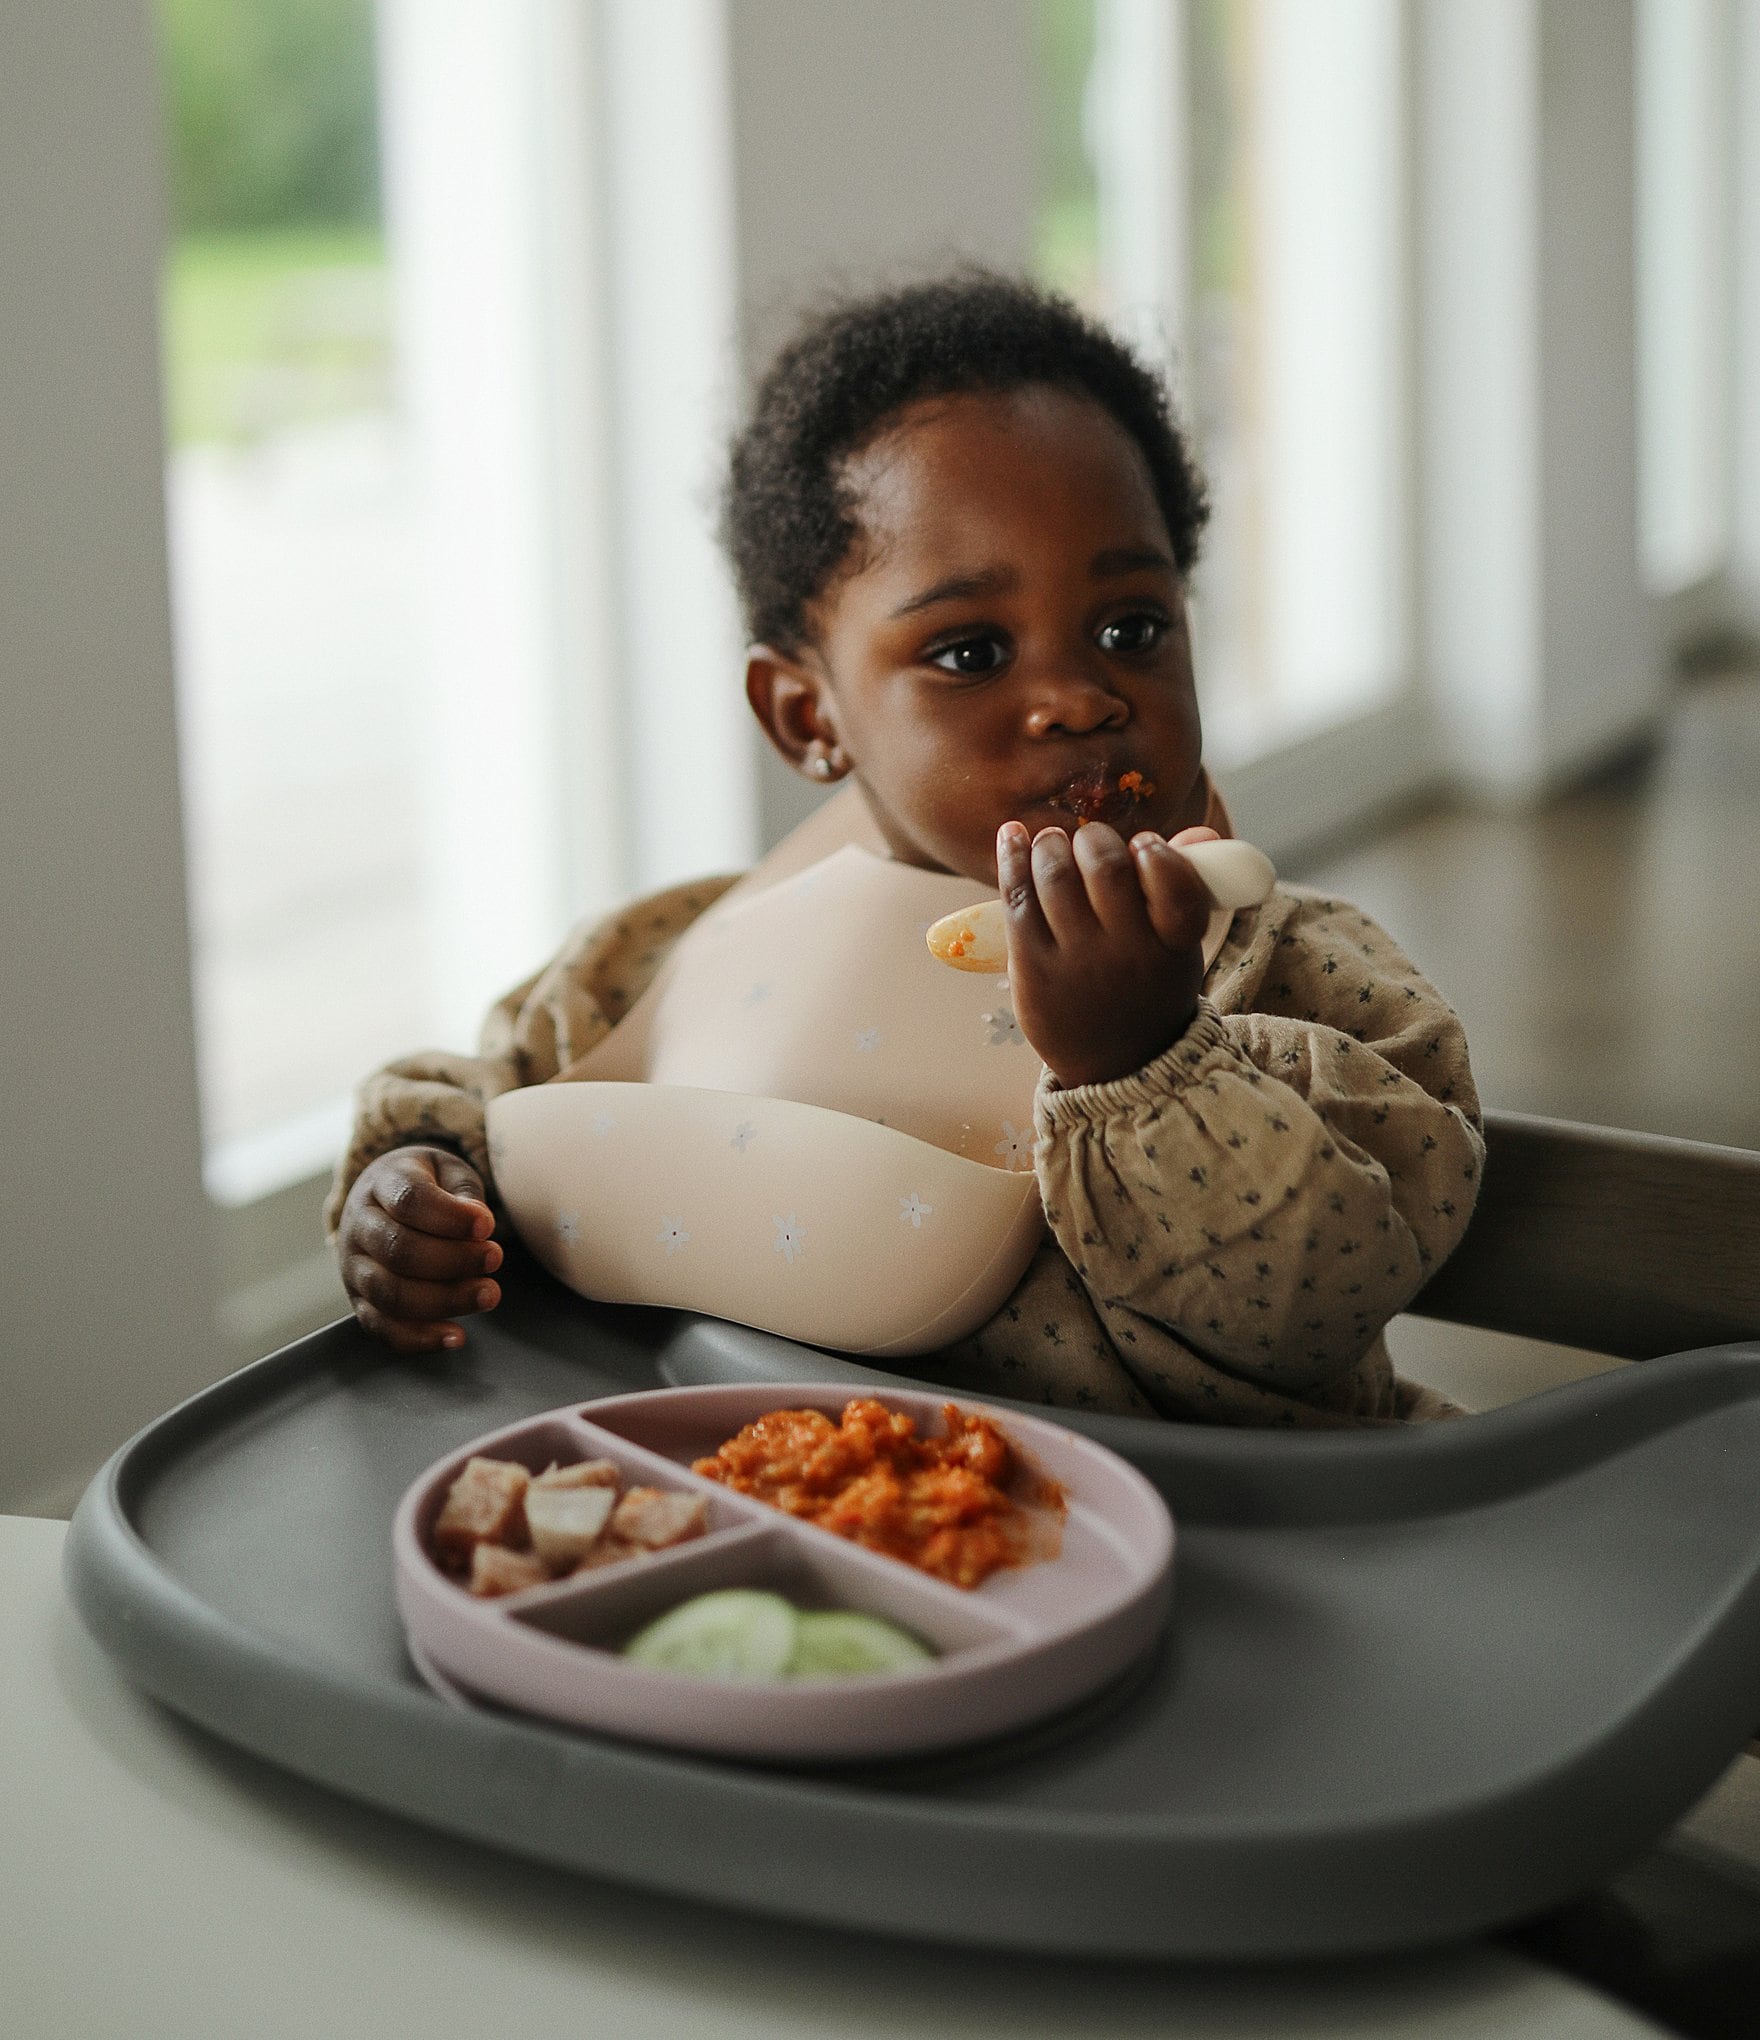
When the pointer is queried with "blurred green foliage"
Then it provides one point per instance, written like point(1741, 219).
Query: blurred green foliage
point(1064, 47)
point(271, 112)
point(1067, 231)
point(273, 329)
point(275, 304)
point(1221, 54)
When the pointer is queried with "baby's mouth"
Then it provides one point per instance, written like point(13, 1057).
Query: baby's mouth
point(1098, 794)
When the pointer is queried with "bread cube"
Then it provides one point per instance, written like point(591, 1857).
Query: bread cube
point(586, 1473)
point(608, 1551)
point(486, 1505)
point(496, 1570)
point(565, 1522)
point(652, 1518)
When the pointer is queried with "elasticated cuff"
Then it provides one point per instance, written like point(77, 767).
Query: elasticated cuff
point(1185, 1063)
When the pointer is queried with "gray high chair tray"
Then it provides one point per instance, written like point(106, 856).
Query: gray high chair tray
point(1415, 1683)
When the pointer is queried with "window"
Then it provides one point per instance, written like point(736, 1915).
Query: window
point(380, 314)
point(1066, 237)
point(291, 507)
point(1247, 207)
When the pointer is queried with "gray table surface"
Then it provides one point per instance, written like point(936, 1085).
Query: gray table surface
point(155, 1883)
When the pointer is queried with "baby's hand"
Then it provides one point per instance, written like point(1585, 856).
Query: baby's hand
point(415, 1248)
point(1104, 945)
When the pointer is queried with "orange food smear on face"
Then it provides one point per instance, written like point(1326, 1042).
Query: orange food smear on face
point(1093, 795)
point(935, 1503)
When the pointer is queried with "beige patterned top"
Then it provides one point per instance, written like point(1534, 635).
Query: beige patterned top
point(1315, 1129)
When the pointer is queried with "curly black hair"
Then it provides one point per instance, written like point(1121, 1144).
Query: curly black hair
point(788, 516)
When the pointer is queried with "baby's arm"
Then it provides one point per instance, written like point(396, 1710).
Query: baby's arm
point(1281, 1181)
point(409, 1210)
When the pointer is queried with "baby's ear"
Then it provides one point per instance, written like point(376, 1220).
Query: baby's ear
point(793, 702)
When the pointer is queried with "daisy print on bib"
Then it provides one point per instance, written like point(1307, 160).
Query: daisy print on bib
point(1015, 1148)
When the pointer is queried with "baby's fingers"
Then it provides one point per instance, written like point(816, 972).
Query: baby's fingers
point(1023, 916)
point(1114, 891)
point(378, 1237)
point(384, 1299)
point(404, 1337)
point(1063, 898)
point(438, 1194)
point(1176, 897)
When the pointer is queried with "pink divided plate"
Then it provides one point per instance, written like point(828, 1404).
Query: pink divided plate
point(1030, 1640)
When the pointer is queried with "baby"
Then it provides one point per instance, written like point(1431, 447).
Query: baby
point(962, 521)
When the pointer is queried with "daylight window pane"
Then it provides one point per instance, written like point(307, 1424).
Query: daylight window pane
point(1296, 358)
point(294, 572)
point(1066, 229)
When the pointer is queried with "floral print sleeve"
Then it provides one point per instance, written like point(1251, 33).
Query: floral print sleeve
point(538, 1029)
point(1247, 1212)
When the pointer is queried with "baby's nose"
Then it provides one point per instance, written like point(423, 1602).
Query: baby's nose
point(1075, 702)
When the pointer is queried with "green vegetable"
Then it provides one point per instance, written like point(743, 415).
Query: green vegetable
point(735, 1634)
point(742, 1634)
point(842, 1645)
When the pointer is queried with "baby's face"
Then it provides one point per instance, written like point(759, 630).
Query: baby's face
point(1009, 640)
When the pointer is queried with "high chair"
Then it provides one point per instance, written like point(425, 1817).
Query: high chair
point(1418, 1681)
point(1630, 1244)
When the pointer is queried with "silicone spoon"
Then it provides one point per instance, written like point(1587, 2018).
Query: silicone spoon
point(1235, 875)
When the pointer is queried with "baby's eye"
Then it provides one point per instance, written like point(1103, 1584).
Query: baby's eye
point(971, 656)
point(1141, 632)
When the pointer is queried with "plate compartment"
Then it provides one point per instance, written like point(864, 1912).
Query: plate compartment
point(1029, 1641)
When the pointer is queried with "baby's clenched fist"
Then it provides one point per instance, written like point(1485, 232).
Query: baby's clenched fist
point(1105, 955)
point(415, 1248)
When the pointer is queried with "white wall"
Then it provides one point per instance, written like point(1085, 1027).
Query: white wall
point(871, 143)
point(106, 1304)
point(1537, 639)
point(1603, 675)
point(1744, 338)
point(1685, 155)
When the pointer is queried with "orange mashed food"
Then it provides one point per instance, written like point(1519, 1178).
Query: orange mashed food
point(936, 1503)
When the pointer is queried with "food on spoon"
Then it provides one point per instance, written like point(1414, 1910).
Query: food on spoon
point(1235, 875)
point(486, 1505)
point(939, 1504)
point(502, 1529)
point(976, 938)
point(744, 1634)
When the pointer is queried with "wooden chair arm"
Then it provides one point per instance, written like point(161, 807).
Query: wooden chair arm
point(1624, 1243)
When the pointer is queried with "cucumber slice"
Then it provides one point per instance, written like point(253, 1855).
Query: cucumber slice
point(839, 1644)
point(737, 1633)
